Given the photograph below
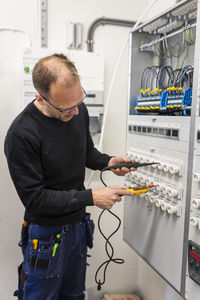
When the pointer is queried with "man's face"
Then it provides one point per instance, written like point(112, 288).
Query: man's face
point(64, 98)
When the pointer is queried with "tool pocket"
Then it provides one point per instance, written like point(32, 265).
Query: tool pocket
point(24, 237)
point(89, 229)
point(19, 293)
point(46, 261)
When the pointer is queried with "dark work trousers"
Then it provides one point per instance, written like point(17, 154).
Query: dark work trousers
point(55, 261)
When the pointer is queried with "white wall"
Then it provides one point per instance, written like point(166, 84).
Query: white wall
point(15, 14)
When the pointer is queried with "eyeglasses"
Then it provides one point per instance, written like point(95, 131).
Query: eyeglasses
point(68, 109)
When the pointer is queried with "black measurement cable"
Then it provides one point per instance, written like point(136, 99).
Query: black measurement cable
point(108, 246)
point(110, 251)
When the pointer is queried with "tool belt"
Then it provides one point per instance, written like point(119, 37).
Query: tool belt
point(24, 234)
point(21, 278)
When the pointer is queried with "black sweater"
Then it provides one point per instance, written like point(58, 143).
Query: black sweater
point(47, 159)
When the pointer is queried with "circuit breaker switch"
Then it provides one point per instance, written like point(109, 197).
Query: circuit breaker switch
point(164, 190)
point(142, 160)
point(135, 177)
point(164, 206)
point(152, 199)
point(160, 166)
point(148, 181)
point(131, 156)
point(142, 179)
point(172, 209)
point(149, 160)
point(196, 203)
point(136, 158)
point(196, 177)
point(158, 187)
point(154, 166)
point(166, 168)
point(172, 193)
point(174, 169)
point(147, 197)
point(194, 221)
point(152, 182)
point(158, 202)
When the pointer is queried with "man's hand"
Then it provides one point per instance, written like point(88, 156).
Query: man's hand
point(107, 196)
point(117, 160)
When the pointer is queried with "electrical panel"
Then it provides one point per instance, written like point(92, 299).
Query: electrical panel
point(163, 126)
point(90, 67)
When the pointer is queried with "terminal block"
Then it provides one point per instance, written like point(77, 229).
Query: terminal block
point(174, 99)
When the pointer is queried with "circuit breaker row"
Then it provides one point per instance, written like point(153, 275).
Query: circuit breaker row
point(195, 203)
point(165, 196)
point(162, 188)
point(195, 206)
point(164, 164)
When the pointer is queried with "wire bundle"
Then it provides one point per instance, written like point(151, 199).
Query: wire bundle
point(161, 77)
point(176, 49)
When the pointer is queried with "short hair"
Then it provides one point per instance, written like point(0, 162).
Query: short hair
point(47, 71)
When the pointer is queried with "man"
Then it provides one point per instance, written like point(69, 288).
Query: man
point(48, 147)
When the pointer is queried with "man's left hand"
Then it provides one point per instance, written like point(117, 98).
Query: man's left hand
point(118, 160)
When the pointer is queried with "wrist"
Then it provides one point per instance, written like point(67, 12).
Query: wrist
point(111, 161)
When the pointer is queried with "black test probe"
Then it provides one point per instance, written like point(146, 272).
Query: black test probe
point(129, 165)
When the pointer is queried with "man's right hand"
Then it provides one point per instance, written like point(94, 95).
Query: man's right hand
point(107, 196)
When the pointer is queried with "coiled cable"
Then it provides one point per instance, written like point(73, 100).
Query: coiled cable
point(108, 246)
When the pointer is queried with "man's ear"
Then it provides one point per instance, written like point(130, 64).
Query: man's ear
point(39, 99)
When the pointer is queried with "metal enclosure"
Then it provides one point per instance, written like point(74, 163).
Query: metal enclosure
point(159, 224)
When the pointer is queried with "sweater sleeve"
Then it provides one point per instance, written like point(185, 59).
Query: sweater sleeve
point(26, 171)
point(95, 160)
